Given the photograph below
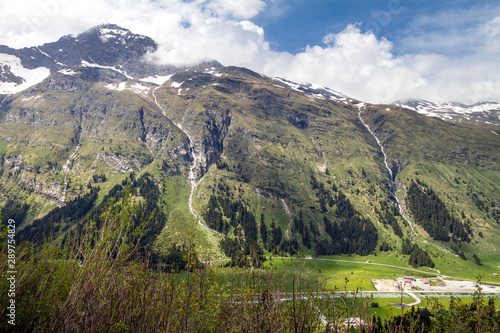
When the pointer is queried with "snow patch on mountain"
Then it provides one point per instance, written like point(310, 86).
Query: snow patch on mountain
point(213, 71)
point(32, 97)
point(176, 84)
point(312, 90)
point(426, 107)
point(117, 86)
point(116, 33)
point(334, 95)
point(67, 71)
point(140, 89)
point(45, 54)
point(30, 77)
point(95, 65)
point(318, 96)
point(110, 33)
point(135, 87)
point(159, 80)
point(292, 85)
point(485, 111)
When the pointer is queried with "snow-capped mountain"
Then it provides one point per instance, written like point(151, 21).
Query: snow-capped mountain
point(108, 46)
point(483, 112)
point(112, 47)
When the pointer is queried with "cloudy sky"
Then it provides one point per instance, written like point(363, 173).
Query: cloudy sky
point(373, 50)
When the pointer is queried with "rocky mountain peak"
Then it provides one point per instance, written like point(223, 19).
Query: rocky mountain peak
point(107, 45)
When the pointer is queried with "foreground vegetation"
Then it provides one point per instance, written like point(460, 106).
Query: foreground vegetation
point(93, 283)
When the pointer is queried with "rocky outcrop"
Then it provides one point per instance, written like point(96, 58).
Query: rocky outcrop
point(6, 75)
point(118, 162)
point(216, 128)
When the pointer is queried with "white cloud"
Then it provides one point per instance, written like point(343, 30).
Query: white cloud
point(240, 9)
point(354, 63)
point(364, 67)
point(453, 31)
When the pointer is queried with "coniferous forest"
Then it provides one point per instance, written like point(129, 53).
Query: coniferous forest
point(346, 230)
point(349, 232)
point(238, 224)
point(431, 213)
point(418, 257)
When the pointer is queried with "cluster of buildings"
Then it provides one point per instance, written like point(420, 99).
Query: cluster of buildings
point(408, 282)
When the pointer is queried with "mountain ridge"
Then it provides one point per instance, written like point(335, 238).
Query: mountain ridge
point(118, 47)
point(484, 112)
point(106, 45)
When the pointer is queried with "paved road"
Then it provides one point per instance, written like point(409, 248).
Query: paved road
point(412, 295)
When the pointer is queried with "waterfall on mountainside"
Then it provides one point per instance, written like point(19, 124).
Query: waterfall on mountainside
point(391, 176)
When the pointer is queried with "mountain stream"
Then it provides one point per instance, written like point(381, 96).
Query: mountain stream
point(391, 175)
point(192, 152)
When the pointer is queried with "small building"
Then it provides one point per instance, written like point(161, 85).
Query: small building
point(426, 281)
point(495, 274)
point(368, 262)
point(309, 257)
point(408, 279)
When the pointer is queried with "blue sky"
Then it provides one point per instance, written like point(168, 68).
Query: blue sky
point(373, 50)
point(291, 26)
point(300, 22)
